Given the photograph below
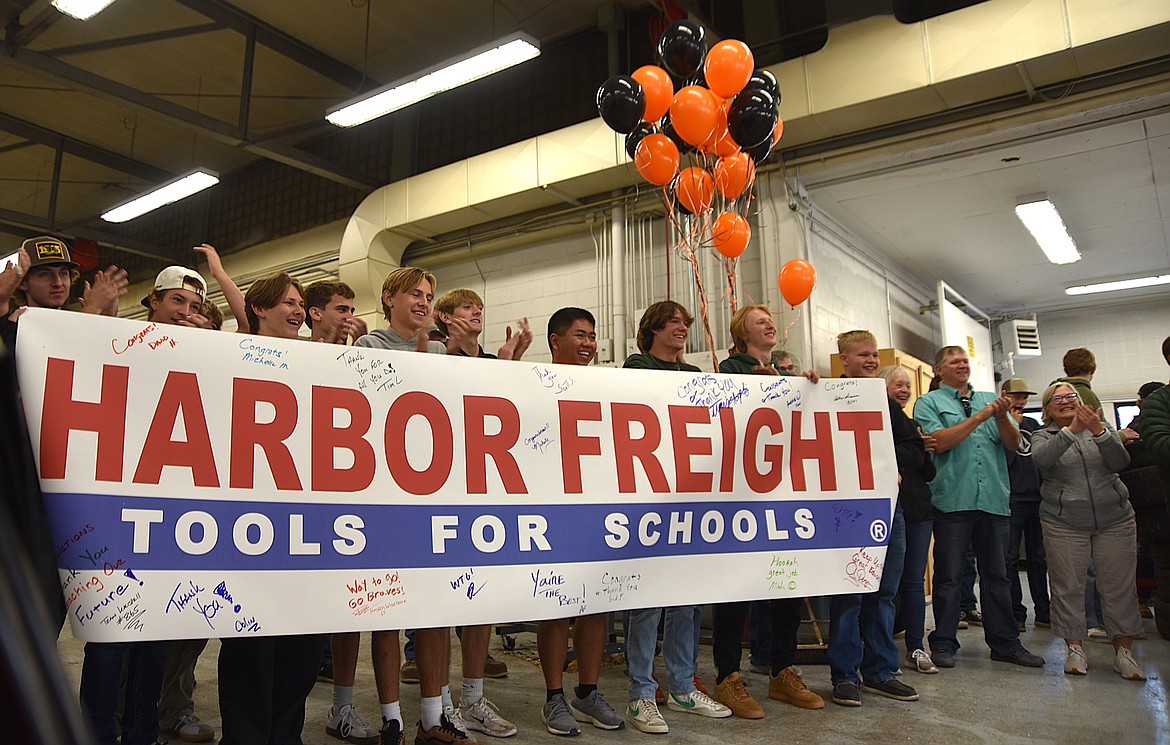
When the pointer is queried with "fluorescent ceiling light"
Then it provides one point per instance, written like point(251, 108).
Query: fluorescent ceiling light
point(1042, 220)
point(82, 10)
point(172, 191)
point(478, 63)
point(1121, 284)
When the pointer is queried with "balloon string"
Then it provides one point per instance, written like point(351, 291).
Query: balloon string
point(784, 344)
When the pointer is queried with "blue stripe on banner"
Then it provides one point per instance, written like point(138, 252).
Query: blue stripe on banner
point(185, 534)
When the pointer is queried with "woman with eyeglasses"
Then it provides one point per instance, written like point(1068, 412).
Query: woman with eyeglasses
point(1086, 517)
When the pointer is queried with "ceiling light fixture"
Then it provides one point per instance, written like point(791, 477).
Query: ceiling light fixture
point(82, 10)
point(1040, 217)
point(172, 191)
point(1121, 284)
point(478, 63)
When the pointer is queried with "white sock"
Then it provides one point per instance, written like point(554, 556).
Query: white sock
point(445, 694)
point(342, 697)
point(430, 711)
point(472, 690)
point(393, 711)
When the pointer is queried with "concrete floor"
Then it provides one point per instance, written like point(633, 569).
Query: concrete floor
point(979, 701)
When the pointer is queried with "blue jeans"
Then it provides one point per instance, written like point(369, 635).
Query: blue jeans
point(954, 534)
point(912, 590)
point(1026, 531)
point(861, 627)
point(101, 683)
point(678, 650)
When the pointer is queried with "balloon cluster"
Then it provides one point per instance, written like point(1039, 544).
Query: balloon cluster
point(723, 115)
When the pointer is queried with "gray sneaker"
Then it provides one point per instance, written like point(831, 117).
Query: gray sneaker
point(597, 711)
point(558, 718)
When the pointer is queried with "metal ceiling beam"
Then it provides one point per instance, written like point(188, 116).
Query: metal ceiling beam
point(34, 224)
point(41, 136)
point(129, 41)
point(206, 125)
point(282, 43)
point(16, 36)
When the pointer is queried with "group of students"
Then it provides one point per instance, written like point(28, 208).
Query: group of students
point(264, 681)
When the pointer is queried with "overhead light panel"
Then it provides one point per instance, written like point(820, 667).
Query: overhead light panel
point(1040, 217)
point(1121, 284)
point(172, 191)
point(82, 10)
point(478, 63)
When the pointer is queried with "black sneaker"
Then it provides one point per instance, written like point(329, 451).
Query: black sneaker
point(846, 693)
point(325, 672)
point(891, 688)
point(1018, 656)
point(391, 733)
point(972, 617)
point(942, 657)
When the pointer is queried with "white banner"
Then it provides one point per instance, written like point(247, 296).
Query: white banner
point(205, 484)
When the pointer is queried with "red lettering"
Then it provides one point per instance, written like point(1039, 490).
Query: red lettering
point(405, 408)
point(686, 447)
point(180, 392)
point(573, 444)
point(247, 433)
point(61, 414)
point(818, 448)
point(727, 468)
point(327, 438)
point(480, 445)
point(757, 481)
point(861, 424)
point(626, 448)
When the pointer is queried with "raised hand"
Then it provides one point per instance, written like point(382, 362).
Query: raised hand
point(102, 296)
point(515, 345)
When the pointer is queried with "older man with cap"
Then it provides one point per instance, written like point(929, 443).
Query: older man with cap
point(1024, 502)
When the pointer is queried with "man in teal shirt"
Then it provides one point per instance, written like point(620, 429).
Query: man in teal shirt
point(971, 507)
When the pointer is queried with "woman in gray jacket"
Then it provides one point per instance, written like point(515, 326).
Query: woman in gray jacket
point(1086, 516)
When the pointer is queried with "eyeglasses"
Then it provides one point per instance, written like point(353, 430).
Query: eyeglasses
point(1064, 397)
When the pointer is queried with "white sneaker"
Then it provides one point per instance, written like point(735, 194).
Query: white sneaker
point(643, 715)
point(1126, 666)
point(350, 726)
point(922, 662)
point(1099, 635)
point(455, 718)
point(483, 716)
point(1075, 661)
point(190, 728)
point(697, 702)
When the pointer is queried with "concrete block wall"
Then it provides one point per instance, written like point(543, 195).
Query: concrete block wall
point(1126, 340)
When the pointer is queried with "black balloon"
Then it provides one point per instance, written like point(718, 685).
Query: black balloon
point(752, 117)
point(682, 48)
point(699, 78)
point(759, 153)
point(621, 103)
point(765, 80)
point(667, 128)
point(634, 137)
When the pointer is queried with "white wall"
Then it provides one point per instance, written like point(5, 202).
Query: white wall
point(1126, 340)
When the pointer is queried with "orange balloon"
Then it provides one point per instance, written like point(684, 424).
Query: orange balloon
point(733, 173)
point(797, 278)
point(728, 67)
point(695, 188)
point(778, 132)
point(720, 142)
point(731, 234)
point(694, 112)
point(656, 159)
point(659, 90)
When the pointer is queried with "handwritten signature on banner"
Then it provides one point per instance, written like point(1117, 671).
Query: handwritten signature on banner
point(106, 596)
point(712, 392)
point(614, 586)
point(372, 371)
point(552, 380)
point(551, 585)
point(376, 593)
point(843, 515)
point(844, 391)
point(150, 335)
point(194, 598)
point(864, 570)
point(783, 572)
point(465, 583)
point(781, 390)
point(258, 354)
point(541, 439)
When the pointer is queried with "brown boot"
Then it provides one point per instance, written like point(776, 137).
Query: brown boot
point(733, 694)
point(789, 688)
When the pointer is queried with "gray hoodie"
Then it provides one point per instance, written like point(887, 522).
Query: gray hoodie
point(1081, 488)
